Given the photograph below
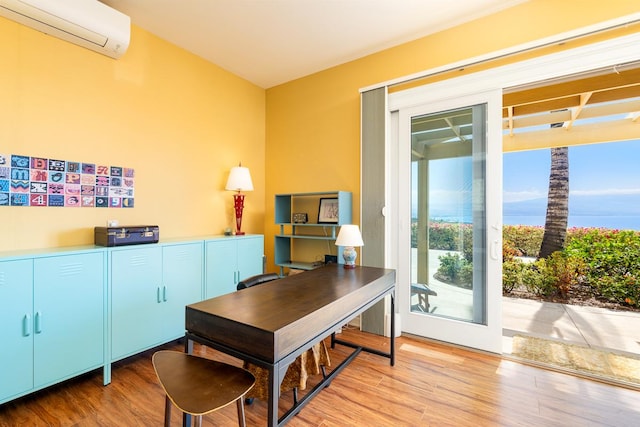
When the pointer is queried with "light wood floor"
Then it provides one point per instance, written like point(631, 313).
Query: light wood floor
point(431, 385)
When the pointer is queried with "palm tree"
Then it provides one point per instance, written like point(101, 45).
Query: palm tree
point(555, 227)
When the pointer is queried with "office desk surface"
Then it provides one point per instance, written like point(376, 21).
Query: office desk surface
point(272, 320)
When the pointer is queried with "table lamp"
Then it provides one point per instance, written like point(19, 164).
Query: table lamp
point(239, 180)
point(349, 237)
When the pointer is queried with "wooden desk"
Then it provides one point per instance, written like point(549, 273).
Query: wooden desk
point(271, 324)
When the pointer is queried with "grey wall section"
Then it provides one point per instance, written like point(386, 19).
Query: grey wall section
point(372, 194)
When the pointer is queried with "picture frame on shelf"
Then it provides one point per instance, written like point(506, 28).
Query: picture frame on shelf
point(328, 210)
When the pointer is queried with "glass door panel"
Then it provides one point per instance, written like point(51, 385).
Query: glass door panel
point(447, 214)
point(452, 288)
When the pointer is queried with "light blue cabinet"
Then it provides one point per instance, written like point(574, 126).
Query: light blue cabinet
point(52, 317)
point(229, 260)
point(16, 330)
point(182, 273)
point(150, 286)
point(67, 311)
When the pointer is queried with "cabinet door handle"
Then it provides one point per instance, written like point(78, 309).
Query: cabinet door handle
point(158, 295)
point(38, 322)
point(26, 325)
point(164, 293)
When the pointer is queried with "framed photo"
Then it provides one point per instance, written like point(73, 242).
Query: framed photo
point(328, 212)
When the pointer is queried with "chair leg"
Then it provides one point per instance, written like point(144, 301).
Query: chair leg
point(241, 421)
point(167, 412)
point(198, 421)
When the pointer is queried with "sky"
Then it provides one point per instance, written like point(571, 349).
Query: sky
point(604, 187)
point(595, 169)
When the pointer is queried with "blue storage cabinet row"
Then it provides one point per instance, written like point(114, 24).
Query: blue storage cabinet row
point(68, 311)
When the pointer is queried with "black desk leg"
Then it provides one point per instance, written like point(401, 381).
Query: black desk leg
point(274, 396)
point(392, 342)
point(188, 348)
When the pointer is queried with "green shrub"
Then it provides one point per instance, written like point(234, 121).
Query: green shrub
point(612, 263)
point(509, 252)
point(447, 236)
point(563, 270)
point(511, 275)
point(455, 269)
point(444, 236)
point(524, 238)
point(623, 290)
point(536, 278)
point(548, 277)
point(607, 261)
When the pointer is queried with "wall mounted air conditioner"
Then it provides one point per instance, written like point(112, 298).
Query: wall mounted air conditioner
point(87, 23)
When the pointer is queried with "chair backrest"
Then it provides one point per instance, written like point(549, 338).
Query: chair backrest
point(256, 280)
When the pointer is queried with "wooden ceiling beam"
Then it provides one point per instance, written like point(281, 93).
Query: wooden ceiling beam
point(575, 112)
point(588, 112)
point(616, 94)
point(594, 133)
point(605, 81)
point(573, 101)
point(543, 106)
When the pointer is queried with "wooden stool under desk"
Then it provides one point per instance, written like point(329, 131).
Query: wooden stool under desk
point(198, 386)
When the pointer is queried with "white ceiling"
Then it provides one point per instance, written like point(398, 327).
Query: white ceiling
point(270, 42)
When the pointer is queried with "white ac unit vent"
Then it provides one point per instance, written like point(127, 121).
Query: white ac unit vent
point(87, 23)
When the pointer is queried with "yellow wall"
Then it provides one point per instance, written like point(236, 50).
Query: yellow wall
point(313, 123)
point(180, 121)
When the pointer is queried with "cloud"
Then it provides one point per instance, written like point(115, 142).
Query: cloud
point(606, 192)
point(521, 196)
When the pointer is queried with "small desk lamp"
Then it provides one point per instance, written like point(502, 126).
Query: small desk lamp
point(239, 180)
point(349, 237)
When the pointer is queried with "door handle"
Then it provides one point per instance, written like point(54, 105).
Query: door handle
point(164, 293)
point(38, 322)
point(158, 299)
point(494, 250)
point(26, 325)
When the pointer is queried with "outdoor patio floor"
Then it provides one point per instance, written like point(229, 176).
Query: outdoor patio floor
point(610, 330)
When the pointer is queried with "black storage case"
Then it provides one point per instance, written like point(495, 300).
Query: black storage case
point(126, 235)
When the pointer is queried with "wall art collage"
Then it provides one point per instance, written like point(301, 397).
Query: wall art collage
point(37, 181)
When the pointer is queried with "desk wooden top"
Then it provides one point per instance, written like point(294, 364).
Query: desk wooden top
point(272, 320)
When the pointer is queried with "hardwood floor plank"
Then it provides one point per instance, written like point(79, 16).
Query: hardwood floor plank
point(432, 384)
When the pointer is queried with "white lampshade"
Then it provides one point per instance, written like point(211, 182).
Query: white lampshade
point(239, 179)
point(349, 235)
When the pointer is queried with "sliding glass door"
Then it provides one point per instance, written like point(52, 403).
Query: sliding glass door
point(449, 182)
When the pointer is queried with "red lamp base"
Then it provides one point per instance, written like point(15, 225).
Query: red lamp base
point(238, 205)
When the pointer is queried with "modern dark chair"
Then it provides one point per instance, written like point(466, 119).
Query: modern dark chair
point(198, 386)
point(294, 373)
point(256, 280)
